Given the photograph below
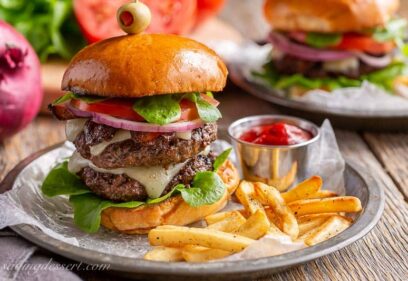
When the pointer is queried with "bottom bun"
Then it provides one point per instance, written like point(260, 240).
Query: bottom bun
point(173, 211)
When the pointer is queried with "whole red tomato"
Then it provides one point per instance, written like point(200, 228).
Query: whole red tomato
point(97, 18)
point(207, 9)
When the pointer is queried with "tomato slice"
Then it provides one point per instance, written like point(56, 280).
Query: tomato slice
point(358, 42)
point(123, 108)
point(207, 9)
point(120, 108)
point(353, 42)
point(97, 18)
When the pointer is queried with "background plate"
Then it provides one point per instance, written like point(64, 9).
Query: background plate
point(341, 118)
point(358, 184)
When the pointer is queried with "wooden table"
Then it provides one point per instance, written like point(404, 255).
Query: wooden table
point(381, 255)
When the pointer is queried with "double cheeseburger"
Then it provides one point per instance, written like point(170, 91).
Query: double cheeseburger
point(140, 112)
point(334, 44)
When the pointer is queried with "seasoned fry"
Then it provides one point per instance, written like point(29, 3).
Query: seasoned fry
point(164, 254)
point(323, 194)
point(230, 224)
point(325, 205)
point(256, 226)
point(273, 199)
point(303, 190)
point(211, 219)
point(327, 230)
point(309, 217)
point(179, 236)
point(245, 193)
point(193, 253)
point(275, 231)
point(311, 224)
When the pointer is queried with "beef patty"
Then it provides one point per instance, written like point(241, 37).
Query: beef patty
point(143, 149)
point(290, 65)
point(122, 188)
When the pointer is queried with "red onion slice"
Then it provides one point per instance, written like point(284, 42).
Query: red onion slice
point(374, 61)
point(111, 121)
point(304, 52)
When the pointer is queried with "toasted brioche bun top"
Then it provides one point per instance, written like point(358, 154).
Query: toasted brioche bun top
point(144, 65)
point(328, 15)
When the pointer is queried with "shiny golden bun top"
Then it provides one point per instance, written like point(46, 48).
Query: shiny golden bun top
point(144, 65)
point(328, 15)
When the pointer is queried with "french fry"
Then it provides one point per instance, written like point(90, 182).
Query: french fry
point(256, 226)
point(211, 219)
point(327, 230)
point(275, 231)
point(164, 254)
point(230, 224)
point(272, 197)
point(245, 193)
point(193, 253)
point(303, 190)
point(325, 205)
point(180, 236)
point(323, 194)
point(311, 224)
point(309, 217)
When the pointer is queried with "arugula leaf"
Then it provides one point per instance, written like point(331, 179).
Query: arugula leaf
point(64, 98)
point(167, 196)
point(61, 182)
point(207, 188)
point(160, 110)
point(206, 111)
point(221, 159)
point(88, 209)
point(323, 40)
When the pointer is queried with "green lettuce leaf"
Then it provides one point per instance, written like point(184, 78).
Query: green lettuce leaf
point(88, 208)
point(61, 182)
point(394, 29)
point(206, 189)
point(69, 96)
point(382, 78)
point(323, 40)
point(221, 159)
point(206, 111)
point(50, 26)
point(160, 110)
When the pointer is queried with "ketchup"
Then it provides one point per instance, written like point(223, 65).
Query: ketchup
point(279, 133)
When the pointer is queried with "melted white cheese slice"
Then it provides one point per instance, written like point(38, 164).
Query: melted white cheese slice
point(119, 136)
point(184, 135)
point(74, 127)
point(155, 179)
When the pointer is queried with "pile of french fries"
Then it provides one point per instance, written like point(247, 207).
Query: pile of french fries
point(305, 213)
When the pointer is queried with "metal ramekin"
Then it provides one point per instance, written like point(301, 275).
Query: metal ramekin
point(279, 166)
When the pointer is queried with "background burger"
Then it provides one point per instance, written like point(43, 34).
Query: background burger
point(334, 44)
point(141, 115)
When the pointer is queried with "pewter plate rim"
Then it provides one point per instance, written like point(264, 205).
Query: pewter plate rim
point(274, 96)
point(231, 269)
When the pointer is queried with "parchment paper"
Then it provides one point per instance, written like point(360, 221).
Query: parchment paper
point(25, 204)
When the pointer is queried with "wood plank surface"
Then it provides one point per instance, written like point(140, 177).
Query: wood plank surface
point(381, 255)
point(392, 152)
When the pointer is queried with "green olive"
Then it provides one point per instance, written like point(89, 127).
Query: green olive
point(134, 18)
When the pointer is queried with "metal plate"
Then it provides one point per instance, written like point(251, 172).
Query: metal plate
point(358, 184)
point(390, 120)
